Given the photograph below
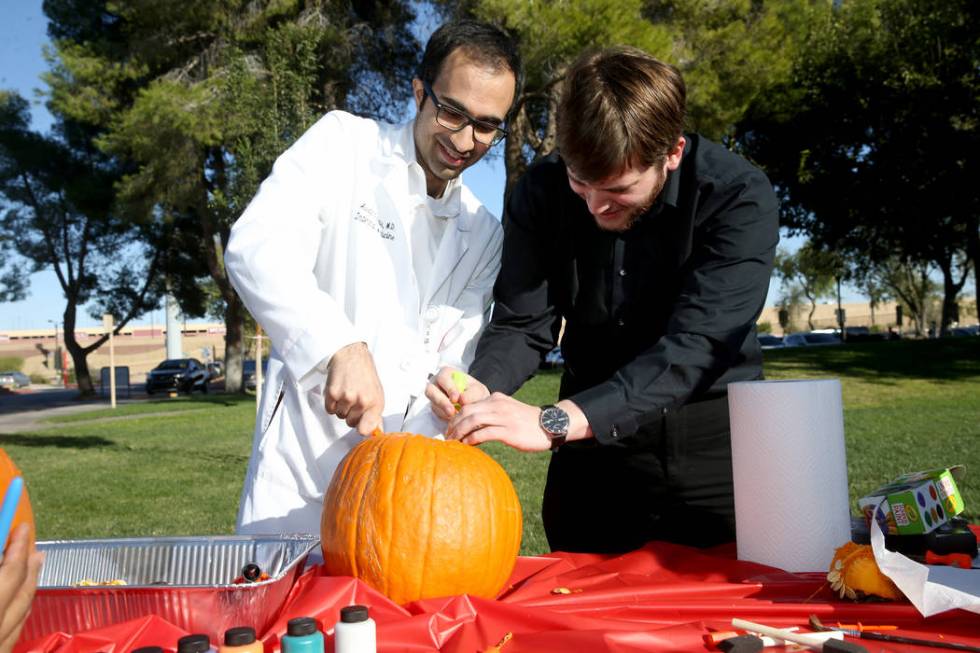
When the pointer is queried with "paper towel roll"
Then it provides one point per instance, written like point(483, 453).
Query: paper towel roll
point(790, 472)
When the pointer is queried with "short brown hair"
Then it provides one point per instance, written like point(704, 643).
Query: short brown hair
point(620, 107)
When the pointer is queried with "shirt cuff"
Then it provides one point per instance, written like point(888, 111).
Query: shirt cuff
point(604, 406)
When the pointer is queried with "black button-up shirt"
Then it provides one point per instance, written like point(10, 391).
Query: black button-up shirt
point(655, 317)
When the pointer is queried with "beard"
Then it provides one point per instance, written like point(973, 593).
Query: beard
point(633, 214)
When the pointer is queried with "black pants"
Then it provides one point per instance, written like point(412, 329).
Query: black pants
point(677, 487)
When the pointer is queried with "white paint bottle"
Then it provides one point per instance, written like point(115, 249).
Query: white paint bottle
point(355, 632)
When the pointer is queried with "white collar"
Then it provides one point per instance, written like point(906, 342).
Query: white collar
point(447, 206)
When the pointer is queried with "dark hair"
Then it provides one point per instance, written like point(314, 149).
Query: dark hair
point(483, 43)
point(620, 107)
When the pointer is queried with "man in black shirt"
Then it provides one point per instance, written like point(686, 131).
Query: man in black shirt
point(655, 247)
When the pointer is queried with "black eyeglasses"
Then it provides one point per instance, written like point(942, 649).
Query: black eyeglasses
point(455, 119)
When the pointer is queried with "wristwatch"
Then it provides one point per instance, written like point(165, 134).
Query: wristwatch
point(554, 422)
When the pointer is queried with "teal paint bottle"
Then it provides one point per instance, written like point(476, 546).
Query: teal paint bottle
point(302, 636)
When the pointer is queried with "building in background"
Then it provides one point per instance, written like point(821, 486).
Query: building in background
point(140, 348)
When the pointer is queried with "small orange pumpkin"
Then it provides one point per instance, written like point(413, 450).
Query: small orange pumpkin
point(24, 514)
point(416, 517)
point(854, 573)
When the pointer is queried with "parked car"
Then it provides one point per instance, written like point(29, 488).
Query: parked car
point(959, 332)
point(217, 369)
point(862, 334)
point(767, 341)
point(248, 372)
point(180, 374)
point(14, 379)
point(811, 339)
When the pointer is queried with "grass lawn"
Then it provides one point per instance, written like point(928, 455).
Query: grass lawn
point(908, 406)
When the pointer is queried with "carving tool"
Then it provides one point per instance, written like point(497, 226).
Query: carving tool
point(459, 380)
point(11, 499)
point(815, 641)
point(894, 639)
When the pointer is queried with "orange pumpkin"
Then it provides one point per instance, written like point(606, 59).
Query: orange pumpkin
point(24, 514)
point(415, 517)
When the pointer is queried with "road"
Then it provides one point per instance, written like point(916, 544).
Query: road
point(23, 409)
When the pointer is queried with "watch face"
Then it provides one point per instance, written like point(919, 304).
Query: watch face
point(554, 420)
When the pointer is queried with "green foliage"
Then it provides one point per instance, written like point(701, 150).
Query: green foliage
point(62, 216)
point(729, 53)
point(872, 142)
point(809, 271)
point(764, 327)
point(13, 280)
point(908, 281)
point(15, 363)
point(200, 97)
point(552, 33)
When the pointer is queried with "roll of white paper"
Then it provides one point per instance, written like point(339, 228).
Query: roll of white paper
point(790, 472)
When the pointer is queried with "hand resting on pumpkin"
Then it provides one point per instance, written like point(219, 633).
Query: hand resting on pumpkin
point(353, 390)
point(18, 582)
point(505, 419)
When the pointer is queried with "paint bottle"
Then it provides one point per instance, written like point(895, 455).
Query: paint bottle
point(355, 632)
point(241, 640)
point(302, 636)
point(196, 643)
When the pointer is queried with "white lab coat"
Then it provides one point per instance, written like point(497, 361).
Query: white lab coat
point(321, 259)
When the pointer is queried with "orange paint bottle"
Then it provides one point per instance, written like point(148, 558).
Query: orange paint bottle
point(241, 640)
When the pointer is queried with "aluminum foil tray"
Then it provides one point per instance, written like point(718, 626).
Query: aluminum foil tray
point(189, 581)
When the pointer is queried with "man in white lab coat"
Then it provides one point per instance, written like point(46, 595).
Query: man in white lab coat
point(370, 266)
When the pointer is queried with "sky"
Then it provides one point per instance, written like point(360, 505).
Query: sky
point(23, 34)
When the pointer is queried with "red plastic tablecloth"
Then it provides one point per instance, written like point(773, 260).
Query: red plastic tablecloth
point(663, 597)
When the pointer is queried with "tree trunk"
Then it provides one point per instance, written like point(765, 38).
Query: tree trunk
point(79, 356)
point(514, 162)
point(909, 282)
point(215, 237)
point(951, 290)
point(973, 255)
point(813, 309)
point(234, 340)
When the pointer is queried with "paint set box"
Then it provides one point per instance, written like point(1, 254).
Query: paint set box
point(916, 503)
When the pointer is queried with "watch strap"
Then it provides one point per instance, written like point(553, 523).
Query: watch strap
point(557, 437)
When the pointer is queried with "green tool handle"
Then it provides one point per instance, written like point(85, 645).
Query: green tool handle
point(459, 380)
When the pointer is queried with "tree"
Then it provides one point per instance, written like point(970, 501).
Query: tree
point(875, 290)
point(61, 215)
point(812, 270)
point(13, 281)
point(728, 51)
point(909, 282)
point(872, 143)
point(790, 298)
point(202, 97)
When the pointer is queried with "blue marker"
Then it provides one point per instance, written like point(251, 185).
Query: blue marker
point(10, 502)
